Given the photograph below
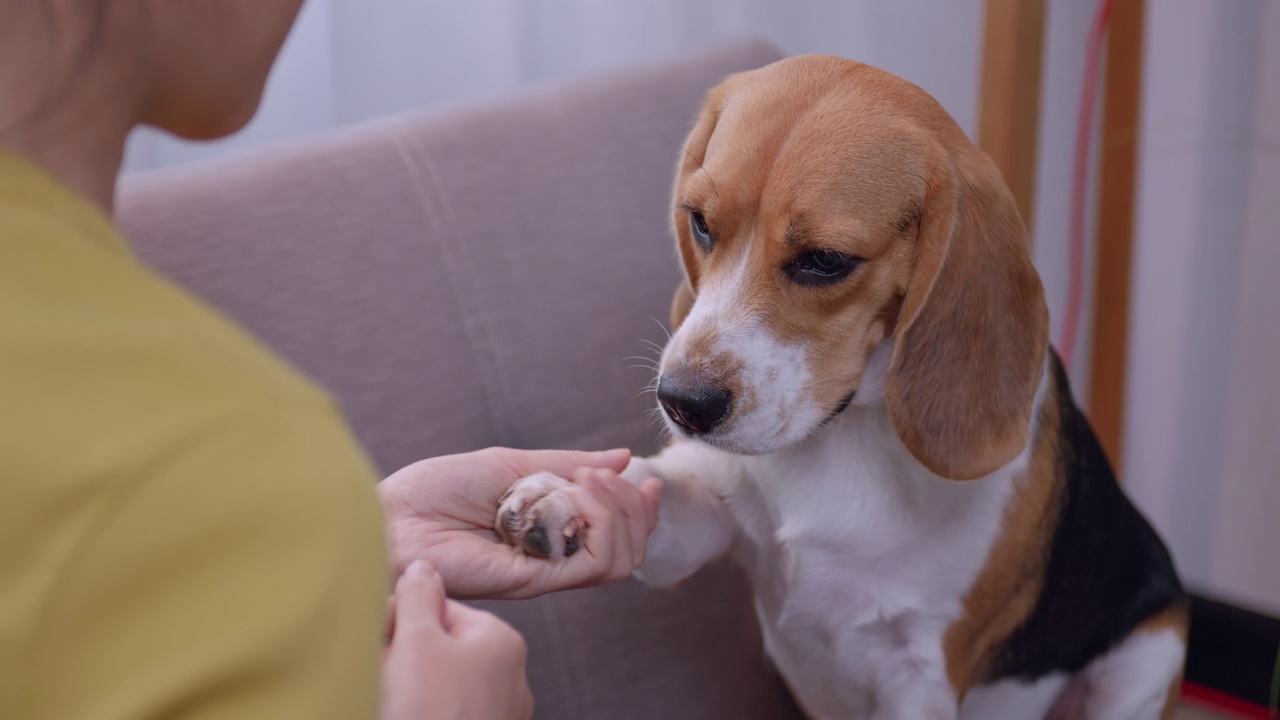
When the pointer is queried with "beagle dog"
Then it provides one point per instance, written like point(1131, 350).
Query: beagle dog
point(869, 418)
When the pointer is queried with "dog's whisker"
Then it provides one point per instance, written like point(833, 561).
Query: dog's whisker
point(642, 393)
point(664, 329)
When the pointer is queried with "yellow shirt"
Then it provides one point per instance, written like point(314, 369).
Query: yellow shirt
point(187, 529)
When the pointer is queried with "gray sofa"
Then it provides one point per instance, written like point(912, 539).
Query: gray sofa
point(486, 276)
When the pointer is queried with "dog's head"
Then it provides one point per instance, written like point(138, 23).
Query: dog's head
point(843, 240)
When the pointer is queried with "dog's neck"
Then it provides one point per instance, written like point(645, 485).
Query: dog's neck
point(866, 423)
point(871, 392)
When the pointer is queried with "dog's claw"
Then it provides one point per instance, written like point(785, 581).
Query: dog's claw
point(571, 545)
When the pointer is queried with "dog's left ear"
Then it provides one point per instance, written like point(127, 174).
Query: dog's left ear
point(681, 304)
point(692, 155)
point(971, 338)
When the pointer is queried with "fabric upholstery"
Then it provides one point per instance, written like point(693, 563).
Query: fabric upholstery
point(489, 275)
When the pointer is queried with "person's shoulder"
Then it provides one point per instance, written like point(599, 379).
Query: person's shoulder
point(252, 540)
point(80, 310)
point(99, 351)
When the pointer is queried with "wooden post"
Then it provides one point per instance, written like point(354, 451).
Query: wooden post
point(1009, 121)
point(1122, 83)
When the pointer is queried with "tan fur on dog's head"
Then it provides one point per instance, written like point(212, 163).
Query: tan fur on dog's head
point(816, 154)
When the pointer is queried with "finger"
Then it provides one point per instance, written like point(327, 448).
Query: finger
point(621, 532)
point(526, 703)
point(461, 619)
point(420, 600)
point(561, 462)
point(641, 507)
point(631, 503)
point(473, 625)
point(652, 489)
point(601, 518)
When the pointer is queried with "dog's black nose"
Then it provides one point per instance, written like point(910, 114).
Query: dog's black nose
point(697, 406)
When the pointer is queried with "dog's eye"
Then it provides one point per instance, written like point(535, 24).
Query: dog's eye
point(701, 233)
point(821, 267)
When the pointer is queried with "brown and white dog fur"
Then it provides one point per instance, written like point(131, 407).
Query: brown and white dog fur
point(870, 419)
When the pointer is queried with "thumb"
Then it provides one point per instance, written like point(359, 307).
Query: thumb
point(463, 620)
point(420, 600)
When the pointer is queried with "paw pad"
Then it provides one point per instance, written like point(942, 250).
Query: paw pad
point(538, 516)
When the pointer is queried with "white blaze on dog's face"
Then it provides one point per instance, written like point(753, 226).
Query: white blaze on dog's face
point(822, 208)
point(796, 222)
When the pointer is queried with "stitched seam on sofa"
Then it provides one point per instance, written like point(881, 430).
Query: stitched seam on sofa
point(439, 218)
point(487, 338)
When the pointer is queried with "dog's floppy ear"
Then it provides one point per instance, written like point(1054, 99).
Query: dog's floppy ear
point(971, 338)
point(692, 155)
point(681, 304)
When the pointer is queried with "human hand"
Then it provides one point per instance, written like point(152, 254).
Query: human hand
point(446, 660)
point(442, 510)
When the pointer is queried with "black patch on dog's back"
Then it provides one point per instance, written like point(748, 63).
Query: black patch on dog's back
point(1106, 571)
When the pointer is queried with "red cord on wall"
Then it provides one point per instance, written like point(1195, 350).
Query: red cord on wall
point(1080, 183)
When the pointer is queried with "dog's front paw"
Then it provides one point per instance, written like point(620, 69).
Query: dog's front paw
point(538, 516)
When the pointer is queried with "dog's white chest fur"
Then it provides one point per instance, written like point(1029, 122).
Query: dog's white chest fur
point(860, 559)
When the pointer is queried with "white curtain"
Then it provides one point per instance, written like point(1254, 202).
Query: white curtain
point(1202, 448)
point(348, 60)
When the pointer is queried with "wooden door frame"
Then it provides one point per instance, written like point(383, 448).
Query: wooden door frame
point(1009, 115)
point(1009, 127)
point(1117, 195)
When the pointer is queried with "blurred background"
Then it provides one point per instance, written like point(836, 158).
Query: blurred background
point(1191, 400)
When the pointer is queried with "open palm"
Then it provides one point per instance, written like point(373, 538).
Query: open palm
point(442, 510)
